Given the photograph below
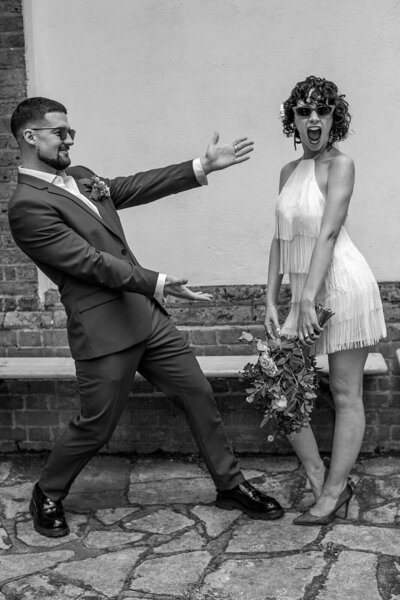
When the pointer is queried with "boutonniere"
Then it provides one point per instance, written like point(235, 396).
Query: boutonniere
point(97, 187)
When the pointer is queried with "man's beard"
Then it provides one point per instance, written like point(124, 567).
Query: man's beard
point(60, 163)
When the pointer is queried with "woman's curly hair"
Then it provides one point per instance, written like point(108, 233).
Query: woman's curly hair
point(323, 92)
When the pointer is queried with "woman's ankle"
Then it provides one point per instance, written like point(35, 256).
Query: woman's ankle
point(316, 477)
point(334, 491)
point(315, 471)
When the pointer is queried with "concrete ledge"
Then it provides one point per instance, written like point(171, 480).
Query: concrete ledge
point(48, 368)
point(375, 365)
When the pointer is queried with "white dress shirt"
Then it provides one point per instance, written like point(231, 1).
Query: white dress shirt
point(68, 183)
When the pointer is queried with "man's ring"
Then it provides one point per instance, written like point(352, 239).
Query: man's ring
point(236, 149)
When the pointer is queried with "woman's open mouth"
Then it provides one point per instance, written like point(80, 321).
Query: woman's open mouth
point(314, 134)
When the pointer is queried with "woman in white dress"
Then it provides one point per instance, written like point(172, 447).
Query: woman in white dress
point(312, 246)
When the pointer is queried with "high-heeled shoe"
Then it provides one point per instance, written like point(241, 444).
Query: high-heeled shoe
point(342, 511)
point(343, 501)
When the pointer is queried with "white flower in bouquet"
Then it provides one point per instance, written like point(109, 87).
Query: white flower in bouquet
point(268, 365)
point(262, 347)
point(279, 403)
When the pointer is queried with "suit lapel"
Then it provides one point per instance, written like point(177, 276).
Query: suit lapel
point(107, 210)
point(57, 191)
point(104, 207)
point(104, 219)
point(82, 188)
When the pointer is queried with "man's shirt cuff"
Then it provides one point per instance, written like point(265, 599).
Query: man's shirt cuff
point(199, 173)
point(159, 291)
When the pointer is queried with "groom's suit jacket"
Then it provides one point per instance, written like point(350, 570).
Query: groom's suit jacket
point(102, 286)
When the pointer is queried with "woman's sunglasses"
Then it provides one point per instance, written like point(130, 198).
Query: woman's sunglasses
point(62, 131)
point(323, 110)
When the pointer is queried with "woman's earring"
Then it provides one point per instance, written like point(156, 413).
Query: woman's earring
point(330, 140)
point(296, 138)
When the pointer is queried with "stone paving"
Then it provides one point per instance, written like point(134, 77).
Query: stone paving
point(146, 528)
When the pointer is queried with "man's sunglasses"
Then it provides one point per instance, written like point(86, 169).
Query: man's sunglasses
point(63, 131)
point(323, 110)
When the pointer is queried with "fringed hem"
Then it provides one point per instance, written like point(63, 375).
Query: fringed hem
point(354, 299)
point(321, 349)
point(358, 332)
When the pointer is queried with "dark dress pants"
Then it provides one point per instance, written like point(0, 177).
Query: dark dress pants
point(167, 362)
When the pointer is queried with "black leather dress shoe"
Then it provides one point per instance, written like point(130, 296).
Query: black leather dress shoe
point(251, 501)
point(48, 516)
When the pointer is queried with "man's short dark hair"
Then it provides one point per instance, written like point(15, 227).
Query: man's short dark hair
point(33, 110)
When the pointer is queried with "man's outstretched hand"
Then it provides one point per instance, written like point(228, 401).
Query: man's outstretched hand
point(221, 157)
point(175, 286)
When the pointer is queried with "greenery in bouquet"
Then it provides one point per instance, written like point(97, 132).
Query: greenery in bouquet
point(283, 383)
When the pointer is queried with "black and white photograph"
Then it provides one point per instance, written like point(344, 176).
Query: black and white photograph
point(199, 300)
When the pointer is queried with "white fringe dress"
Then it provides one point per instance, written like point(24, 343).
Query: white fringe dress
point(349, 289)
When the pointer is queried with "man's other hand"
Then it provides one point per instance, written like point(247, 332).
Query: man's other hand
point(171, 282)
point(175, 286)
point(221, 157)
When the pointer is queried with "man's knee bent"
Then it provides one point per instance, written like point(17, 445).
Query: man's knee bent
point(97, 432)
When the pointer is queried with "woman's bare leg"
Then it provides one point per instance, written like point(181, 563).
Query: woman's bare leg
point(305, 446)
point(346, 369)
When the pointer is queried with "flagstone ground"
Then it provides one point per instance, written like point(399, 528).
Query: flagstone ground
point(147, 529)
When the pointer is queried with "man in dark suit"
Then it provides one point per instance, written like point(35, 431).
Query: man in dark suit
point(66, 221)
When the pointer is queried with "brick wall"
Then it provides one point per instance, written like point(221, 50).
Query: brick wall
point(18, 277)
point(32, 414)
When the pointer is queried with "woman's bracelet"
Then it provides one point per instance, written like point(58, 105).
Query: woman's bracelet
point(270, 304)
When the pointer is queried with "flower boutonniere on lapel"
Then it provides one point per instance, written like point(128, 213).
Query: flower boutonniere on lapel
point(98, 188)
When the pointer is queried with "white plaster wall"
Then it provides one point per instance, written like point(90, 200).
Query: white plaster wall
point(146, 83)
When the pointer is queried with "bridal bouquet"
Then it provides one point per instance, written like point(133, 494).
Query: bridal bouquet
point(282, 384)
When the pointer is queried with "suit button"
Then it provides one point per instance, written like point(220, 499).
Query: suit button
point(124, 251)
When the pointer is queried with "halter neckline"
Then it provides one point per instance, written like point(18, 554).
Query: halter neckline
point(315, 157)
